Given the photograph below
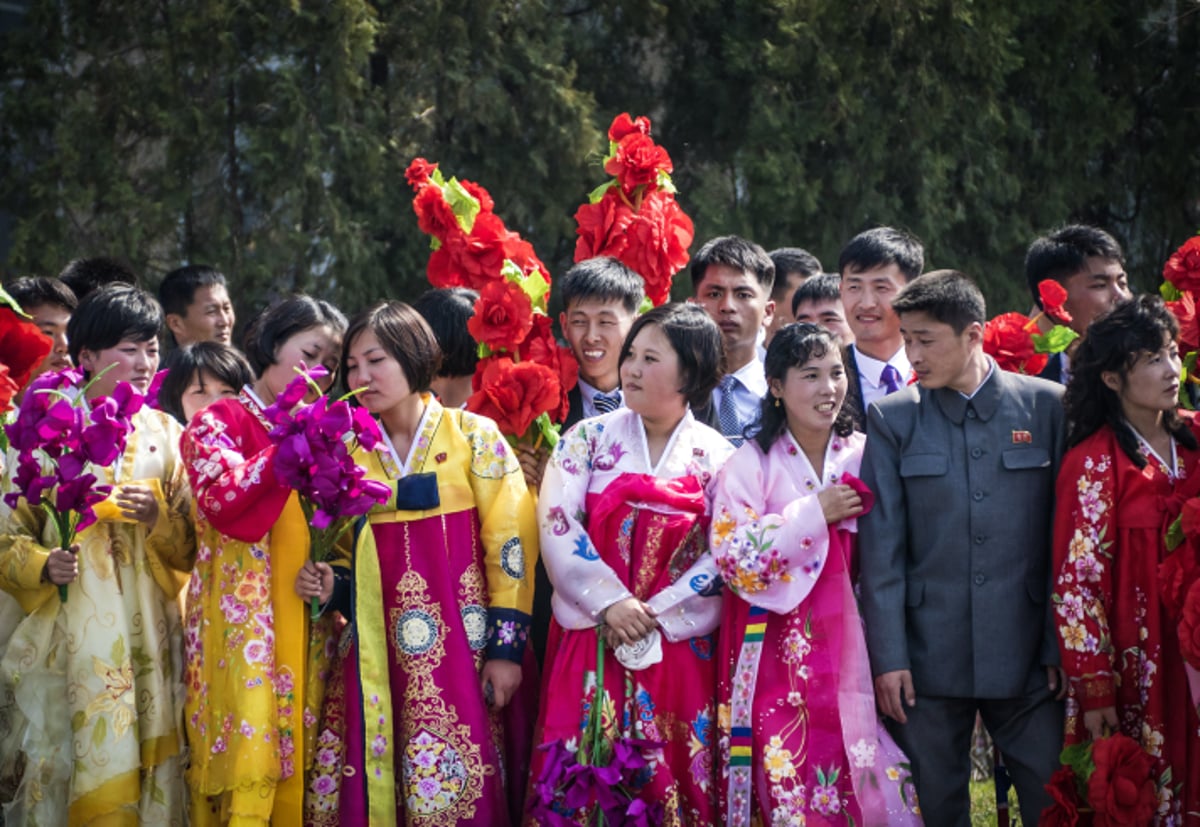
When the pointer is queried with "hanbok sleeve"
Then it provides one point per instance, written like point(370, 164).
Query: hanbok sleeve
point(509, 536)
point(22, 555)
point(584, 585)
point(1084, 534)
point(237, 494)
point(171, 543)
point(770, 559)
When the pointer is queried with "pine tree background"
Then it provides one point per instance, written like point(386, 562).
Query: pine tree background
point(270, 139)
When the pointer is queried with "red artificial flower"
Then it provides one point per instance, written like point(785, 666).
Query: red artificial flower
point(471, 260)
point(1189, 625)
point(1007, 339)
point(601, 227)
point(520, 252)
point(1183, 267)
point(623, 125)
point(24, 347)
point(503, 316)
point(434, 215)
point(540, 346)
point(1189, 326)
point(481, 195)
point(418, 172)
point(514, 394)
point(1179, 570)
point(1121, 790)
point(8, 388)
point(659, 237)
point(1054, 296)
point(443, 271)
point(637, 161)
point(1064, 812)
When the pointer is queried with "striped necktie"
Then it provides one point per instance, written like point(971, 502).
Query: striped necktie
point(727, 414)
point(606, 402)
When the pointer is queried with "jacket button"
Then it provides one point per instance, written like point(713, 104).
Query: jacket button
point(979, 578)
point(979, 538)
point(976, 453)
point(977, 496)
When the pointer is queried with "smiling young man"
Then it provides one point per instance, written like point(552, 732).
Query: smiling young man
point(732, 280)
point(1088, 262)
point(874, 267)
point(955, 554)
point(49, 304)
point(197, 306)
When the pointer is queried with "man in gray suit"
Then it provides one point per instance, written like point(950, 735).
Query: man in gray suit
point(956, 554)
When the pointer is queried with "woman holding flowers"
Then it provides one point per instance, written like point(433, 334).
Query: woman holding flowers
point(96, 662)
point(1118, 596)
point(623, 515)
point(438, 601)
point(255, 668)
point(800, 737)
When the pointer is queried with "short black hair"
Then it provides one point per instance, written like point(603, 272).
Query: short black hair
point(39, 291)
point(789, 260)
point(604, 279)
point(696, 340)
point(223, 362)
point(178, 287)
point(405, 335)
point(948, 296)
point(1064, 252)
point(283, 320)
point(111, 314)
point(738, 253)
point(84, 275)
point(793, 346)
point(826, 287)
point(881, 246)
point(447, 310)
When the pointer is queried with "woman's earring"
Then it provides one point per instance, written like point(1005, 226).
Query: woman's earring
point(777, 402)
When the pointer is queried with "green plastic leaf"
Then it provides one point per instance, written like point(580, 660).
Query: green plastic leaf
point(664, 182)
point(464, 205)
point(598, 193)
point(536, 287)
point(1169, 292)
point(1174, 536)
point(484, 351)
point(646, 305)
point(1055, 341)
point(9, 302)
point(549, 429)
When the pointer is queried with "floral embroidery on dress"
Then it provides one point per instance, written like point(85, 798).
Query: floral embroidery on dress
point(1078, 597)
point(433, 774)
point(748, 562)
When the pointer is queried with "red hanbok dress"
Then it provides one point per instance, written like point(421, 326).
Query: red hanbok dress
point(1119, 647)
point(615, 525)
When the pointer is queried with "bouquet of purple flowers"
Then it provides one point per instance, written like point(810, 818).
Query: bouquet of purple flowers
point(601, 778)
point(56, 436)
point(314, 458)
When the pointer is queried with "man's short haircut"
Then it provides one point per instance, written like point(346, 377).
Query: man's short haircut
point(696, 340)
point(948, 296)
point(447, 310)
point(789, 260)
point(1064, 252)
point(405, 335)
point(283, 320)
point(178, 288)
point(879, 247)
point(221, 362)
point(826, 287)
point(602, 279)
point(738, 253)
point(111, 314)
point(83, 275)
point(39, 291)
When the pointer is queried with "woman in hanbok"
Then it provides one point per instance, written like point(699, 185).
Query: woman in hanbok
point(623, 518)
point(255, 668)
point(800, 740)
point(1131, 461)
point(438, 599)
point(97, 720)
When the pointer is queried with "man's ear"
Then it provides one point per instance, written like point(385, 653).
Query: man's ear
point(175, 325)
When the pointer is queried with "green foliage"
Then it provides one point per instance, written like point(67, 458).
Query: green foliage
point(271, 139)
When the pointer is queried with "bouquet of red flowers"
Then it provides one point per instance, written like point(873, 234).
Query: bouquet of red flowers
point(634, 217)
point(523, 375)
point(57, 436)
point(314, 459)
point(600, 779)
point(1107, 782)
point(1012, 338)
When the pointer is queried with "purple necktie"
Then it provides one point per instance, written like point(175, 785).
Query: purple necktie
point(891, 379)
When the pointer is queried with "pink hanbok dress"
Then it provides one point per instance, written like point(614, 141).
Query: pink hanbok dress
point(800, 740)
point(614, 525)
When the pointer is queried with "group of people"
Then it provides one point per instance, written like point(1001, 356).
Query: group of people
point(798, 534)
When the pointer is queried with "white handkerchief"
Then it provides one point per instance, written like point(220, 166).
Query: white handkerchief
point(646, 652)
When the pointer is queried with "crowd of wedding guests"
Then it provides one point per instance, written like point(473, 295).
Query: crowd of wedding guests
point(798, 534)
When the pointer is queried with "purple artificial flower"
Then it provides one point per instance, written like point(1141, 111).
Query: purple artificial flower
point(639, 813)
point(59, 420)
point(366, 429)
